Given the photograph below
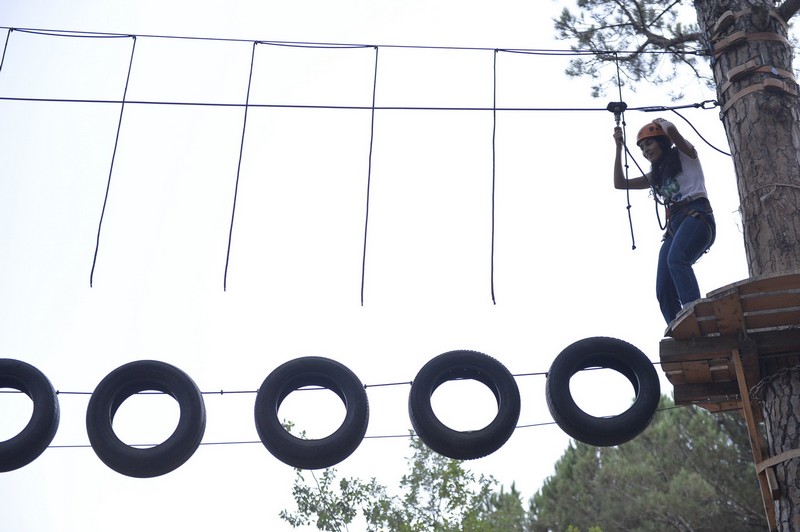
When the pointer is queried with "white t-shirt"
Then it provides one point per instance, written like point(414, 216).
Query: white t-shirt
point(689, 184)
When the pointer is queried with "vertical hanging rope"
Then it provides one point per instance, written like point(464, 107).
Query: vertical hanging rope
point(494, 166)
point(113, 157)
point(369, 175)
point(239, 166)
point(624, 141)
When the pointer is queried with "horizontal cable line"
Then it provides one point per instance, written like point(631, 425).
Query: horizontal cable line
point(59, 33)
point(706, 105)
point(298, 106)
point(251, 442)
point(329, 46)
point(148, 392)
point(367, 437)
point(531, 425)
point(310, 388)
point(574, 52)
point(232, 392)
point(402, 383)
point(311, 44)
point(532, 374)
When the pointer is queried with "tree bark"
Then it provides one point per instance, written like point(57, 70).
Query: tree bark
point(779, 395)
point(763, 129)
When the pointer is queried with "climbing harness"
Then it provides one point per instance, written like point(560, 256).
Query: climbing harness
point(673, 207)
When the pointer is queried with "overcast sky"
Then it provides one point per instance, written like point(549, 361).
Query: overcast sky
point(563, 264)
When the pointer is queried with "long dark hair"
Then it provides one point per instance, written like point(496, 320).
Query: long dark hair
point(668, 166)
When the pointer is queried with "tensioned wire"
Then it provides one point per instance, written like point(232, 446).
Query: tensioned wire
point(372, 108)
point(318, 388)
point(312, 44)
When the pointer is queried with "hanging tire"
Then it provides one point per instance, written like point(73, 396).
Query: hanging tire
point(311, 453)
point(608, 353)
point(466, 445)
point(118, 386)
point(32, 440)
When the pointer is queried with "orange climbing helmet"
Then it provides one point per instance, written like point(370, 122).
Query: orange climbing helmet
point(650, 130)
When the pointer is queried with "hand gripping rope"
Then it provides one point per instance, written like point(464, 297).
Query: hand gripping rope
point(618, 108)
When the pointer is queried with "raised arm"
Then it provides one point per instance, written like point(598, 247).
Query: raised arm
point(677, 139)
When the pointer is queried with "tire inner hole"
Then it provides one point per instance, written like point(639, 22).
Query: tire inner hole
point(464, 404)
point(601, 392)
point(314, 412)
point(17, 409)
point(146, 418)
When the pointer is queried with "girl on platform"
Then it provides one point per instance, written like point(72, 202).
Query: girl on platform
point(676, 178)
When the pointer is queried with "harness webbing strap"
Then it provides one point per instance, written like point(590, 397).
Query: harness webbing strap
point(753, 66)
point(769, 84)
point(739, 37)
point(727, 19)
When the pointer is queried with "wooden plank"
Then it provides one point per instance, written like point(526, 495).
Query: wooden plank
point(722, 371)
point(674, 373)
point(697, 371)
point(694, 321)
point(784, 281)
point(780, 341)
point(781, 281)
point(750, 368)
point(727, 289)
point(717, 392)
point(721, 407)
point(773, 319)
point(684, 326)
point(770, 301)
point(756, 441)
point(703, 348)
point(728, 311)
point(709, 326)
point(710, 348)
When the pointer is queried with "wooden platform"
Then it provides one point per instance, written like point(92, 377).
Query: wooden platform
point(760, 317)
point(718, 348)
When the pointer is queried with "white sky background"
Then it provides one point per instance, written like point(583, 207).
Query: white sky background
point(564, 268)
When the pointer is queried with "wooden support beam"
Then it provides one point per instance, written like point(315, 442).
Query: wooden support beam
point(707, 393)
point(719, 347)
point(766, 478)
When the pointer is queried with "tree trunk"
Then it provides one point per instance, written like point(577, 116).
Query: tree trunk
point(763, 129)
point(779, 394)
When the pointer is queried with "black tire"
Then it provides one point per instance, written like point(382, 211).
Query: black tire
point(32, 440)
point(608, 353)
point(312, 453)
point(466, 445)
point(118, 386)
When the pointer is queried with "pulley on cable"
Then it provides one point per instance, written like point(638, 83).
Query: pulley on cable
point(617, 108)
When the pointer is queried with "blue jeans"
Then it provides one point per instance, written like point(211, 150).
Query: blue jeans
point(691, 231)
